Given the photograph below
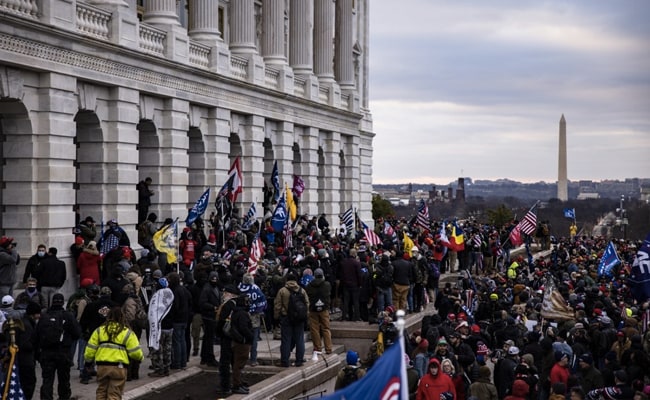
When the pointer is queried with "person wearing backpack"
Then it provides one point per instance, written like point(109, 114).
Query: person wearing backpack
point(290, 308)
point(350, 373)
point(319, 292)
point(57, 329)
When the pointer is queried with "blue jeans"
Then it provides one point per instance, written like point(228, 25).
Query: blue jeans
point(292, 335)
point(179, 346)
point(409, 298)
point(384, 298)
point(256, 335)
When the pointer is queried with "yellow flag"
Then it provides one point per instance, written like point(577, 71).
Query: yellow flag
point(291, 205)
point(165, 241)
point(408, 245)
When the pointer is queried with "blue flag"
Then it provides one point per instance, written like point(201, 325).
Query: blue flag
point(639, 279)
point(275, 181)
point(608, 261)
point(199, 208)
point(385, 380)
point(15, 390)
point(570, 213)
point(279, 215)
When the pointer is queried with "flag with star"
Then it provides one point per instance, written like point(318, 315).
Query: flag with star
point(14, 391)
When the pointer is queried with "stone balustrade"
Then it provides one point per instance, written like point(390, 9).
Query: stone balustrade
point(23, 8)
point(299, 83)
point(239, 67)
point(199, 55)
point(93, 21)
point(152, 40)
point(271, 77)
point(345, 101)
point(323, 94)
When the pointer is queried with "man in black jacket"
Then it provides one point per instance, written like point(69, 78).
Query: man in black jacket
point(53, 275)
point(209, 301)
point(55, 355)
point(242, 337)
point(179, 312)
point(403, 275)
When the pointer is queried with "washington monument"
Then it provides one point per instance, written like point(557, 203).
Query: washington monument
point(562, 183)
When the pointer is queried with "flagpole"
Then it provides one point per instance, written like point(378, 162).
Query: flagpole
point(178, 247)
point(529, 210)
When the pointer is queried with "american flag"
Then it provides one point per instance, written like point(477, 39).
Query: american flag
point(227, 255)
point(257, 252)
point(477, 240)
point(372, 238)
point(529, 223)
point(15, 391)
point(288, 235)
point(250, 217)
point(389, 231)
point(423, 215)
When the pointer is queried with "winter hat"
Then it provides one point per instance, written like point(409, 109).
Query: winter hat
point(105, 291)
point(214, 276)
point(442, 340)
point(424, 344)
point(86, 282)
point(586, 358)
point(621, 375)
point(318, 273)
point(559, 355)
point(78, 240)
point(57, 300)
point(157, 274)
point(482, 349)
point(322, 253)
point(231, 289)
point(352, 358)
point(529, 359)
point(7, 300)
point(605, 320)
point(484, 371)
point(463, 324)
point(513, 350)
point(92, 245)
point(162, 282)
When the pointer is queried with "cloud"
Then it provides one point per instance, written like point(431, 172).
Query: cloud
point(480, 87)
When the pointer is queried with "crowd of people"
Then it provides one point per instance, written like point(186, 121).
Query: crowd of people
point(487, 340)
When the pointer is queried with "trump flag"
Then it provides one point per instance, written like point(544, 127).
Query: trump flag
point(608, 261)
point(385, 380)
point(199, 208)
point(640, 274)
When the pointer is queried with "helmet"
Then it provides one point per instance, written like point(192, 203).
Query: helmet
point(92, 289)
point(494, 297)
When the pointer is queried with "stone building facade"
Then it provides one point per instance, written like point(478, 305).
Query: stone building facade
point(96, 95)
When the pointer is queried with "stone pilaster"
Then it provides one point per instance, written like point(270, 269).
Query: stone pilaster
point(173, 179)
point(309, 169)
point(365, 176)
point(242, 38)
point(350, 171)
point(343, 66)
point(331, 174)
point(251, 133)
point(59, 13)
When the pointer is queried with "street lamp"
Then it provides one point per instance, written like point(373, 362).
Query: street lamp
point(622, 218)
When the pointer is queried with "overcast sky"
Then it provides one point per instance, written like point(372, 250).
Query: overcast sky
point(478, 88)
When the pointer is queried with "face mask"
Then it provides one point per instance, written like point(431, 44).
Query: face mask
point(31, 289)
point(213, 283)
point(41, 253)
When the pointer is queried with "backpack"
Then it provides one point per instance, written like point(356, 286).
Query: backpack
point(73, 302)
point(51, 331)
point(349, 376)
point(434, 271)
point(297, 309)
point(384, 276)
point(143, 234)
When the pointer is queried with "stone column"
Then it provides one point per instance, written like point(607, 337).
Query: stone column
point(242, 38)
point(349, 180)
point(204, 28)
point(301, 44)
point(324, 50)
point(172, 132)
point(309, 167)
point(162, 15)
point(343, 67)
point(273, 49)
point(251, 134)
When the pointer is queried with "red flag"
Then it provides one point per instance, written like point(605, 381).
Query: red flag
point(515, 236)
point(233, 185)
point(257, 252)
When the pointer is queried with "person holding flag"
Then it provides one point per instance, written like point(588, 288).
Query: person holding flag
point(199, 208)
point(166, 239)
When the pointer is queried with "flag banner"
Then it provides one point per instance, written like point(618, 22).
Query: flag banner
point(233, 185)
point(250, 217)
point(291, 204)
point(14, 391)
point(159, 307)
point(408, 244)
point(389, 231)
point(639, 279)
point(477, 240)
point(515, 236)
point(298, 186)
point(457, 237)
point(608, 261)
point(372, 238)
point(279, 215)
point(570, 213)
point(288, 235)
point(385, 380)
point(199, 208)
point(528, 225)
point(166, 239)
point(275, 181)
point(553, 304)
point(257, 252)
point(348, 220)
point(423, 215)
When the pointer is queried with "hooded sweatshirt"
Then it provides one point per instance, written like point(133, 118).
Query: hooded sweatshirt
point(519, 390)
point(431, 386)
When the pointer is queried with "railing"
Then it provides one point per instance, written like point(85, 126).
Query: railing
point(152, 40)
point(199, 54)
point(299, 86)
point(239, 67)
point(23, 8)
point(271, 77)
point(323, 94)
point(92, 21)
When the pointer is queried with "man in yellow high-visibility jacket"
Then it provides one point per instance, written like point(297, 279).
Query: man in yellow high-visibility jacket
point(112, 346)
